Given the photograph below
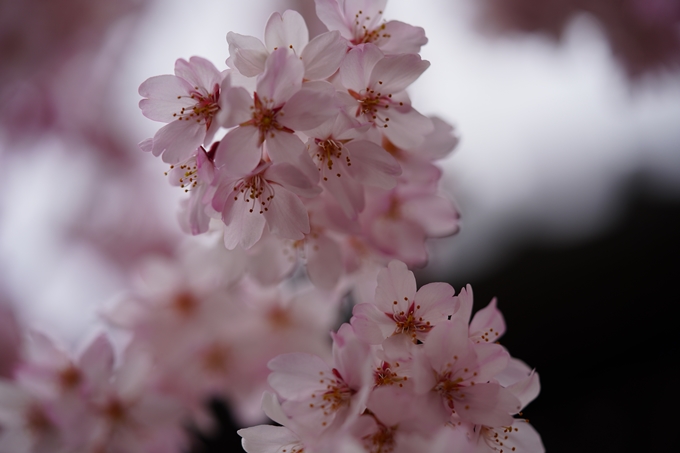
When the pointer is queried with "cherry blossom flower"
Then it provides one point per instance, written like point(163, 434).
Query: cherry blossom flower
point(360, 21)
point(195, 175)
point(462, 374)
point(398, 222)
point(346, 163)
point(399, 309)
point(317, 396)
point(188, 101)
point(321, 56)
point(376, 83)
point(279, 107)
point(268, 194)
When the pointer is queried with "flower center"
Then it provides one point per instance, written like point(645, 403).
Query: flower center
point(408, 323)
point(373, 106)
point(383, 375)
point(363, 29)
point(255, 190)
point(497, 438)
point(264, 118)
point(448, 388)
point(330, 150)
point(382, 441)
point(205, 108)
point(69, 377)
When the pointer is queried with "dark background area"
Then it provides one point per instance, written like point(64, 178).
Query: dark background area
point(597, 321)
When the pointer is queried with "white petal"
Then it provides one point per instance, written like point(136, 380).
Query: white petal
point(323, 55)
point(287, 31)
point(248, 54)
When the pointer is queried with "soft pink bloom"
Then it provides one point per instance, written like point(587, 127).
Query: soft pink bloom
point(416, 163)
point(375, 85)
point(346, 163)
point(400, 310)
point(398, 222)
point(321, 56)
point(266, 122)
point(316, 395)
point(360, 21)
point(28, 425)
point(195, 175)
point(128, 415)
point(519, 437)
point(488, 324)
point(267, 195)
point(459, 373)
point(189, 102)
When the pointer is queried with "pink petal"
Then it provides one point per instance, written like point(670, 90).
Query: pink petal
point(242, 226)
point(527, 389)
point(247, 54)
point(347, 192)
point(162, 93)
point(351, 357)
point(445, 341)
point(370, 324)
point(323, 55)
point(329, 13)
point(296, 375)
point(463, 305)
point(308, 109)
point(372, 165)
point(239, 152)
point(436, 214)
point(287, 217)
point(199, 72)
point(324, 261)
point(491, 359)
point(178, 140)
point(488, 323)
point(97, 361)
point(287, 31)
point(487, 404)
point(291, 179)
point(404, 38)
point(165, 88)
point(282, 77)
point(268, 439)
point(395, 284)
point(267, 263)
point(285, 147)
point(400, 238)
point(397, 72)
point(356, 68)
point(235, 106)
point(407, 129)
point(440, 142)
point(435, 301)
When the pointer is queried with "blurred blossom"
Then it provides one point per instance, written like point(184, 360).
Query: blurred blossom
point(57, 62)
point(644, 34)
point(10, 339)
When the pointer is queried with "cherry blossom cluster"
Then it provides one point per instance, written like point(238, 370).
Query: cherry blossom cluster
point(311, 180)
point(410, 372)
point(319, 143)
point(57, 402)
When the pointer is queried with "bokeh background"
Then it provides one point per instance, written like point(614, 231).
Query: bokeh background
point(567, 177)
